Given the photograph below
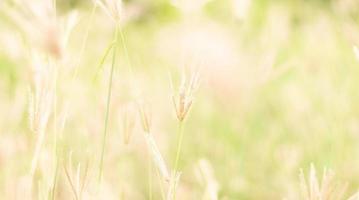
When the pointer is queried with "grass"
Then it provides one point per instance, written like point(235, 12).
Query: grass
point(108, 104)
point(279, 91)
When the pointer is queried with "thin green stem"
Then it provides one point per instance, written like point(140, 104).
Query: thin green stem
point(103, 59)
point(179, 145)
point(84, 41)
point(179, 148)
point(109, 93)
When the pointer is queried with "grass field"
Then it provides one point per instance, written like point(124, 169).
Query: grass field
point(179, 99)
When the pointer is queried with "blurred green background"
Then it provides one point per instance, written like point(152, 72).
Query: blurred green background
point(279, 91)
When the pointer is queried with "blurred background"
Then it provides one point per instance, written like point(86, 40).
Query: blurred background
point(279, 90)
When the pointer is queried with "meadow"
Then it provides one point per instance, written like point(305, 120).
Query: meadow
point(179, 99)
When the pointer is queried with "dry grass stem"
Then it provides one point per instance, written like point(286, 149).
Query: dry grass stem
point(157, 157)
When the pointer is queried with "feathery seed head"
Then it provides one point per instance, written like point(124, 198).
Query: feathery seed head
point(40, 95)
point(40, 24)
point(324, 189)
point(184, 98)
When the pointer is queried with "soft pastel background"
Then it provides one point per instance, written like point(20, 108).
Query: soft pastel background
point(279, 90)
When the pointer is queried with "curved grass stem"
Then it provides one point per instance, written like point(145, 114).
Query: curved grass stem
point(109, 93)
point(103, 59)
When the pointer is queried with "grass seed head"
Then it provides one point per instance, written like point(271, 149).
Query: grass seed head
point(40, 94)
point(183, 98)
point(325, 189)
point(41, 26)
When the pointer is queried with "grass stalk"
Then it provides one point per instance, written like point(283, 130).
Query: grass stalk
point(103, 59)
point(55, 133)
point(179, 145)
point(109, 93)
point(178, 153)
point(160, 180)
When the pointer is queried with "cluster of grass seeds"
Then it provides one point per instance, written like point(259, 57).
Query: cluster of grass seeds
point(50, 37)
point(43, 97)
point(182, 105)
point(325, 189)
point(47, 36)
